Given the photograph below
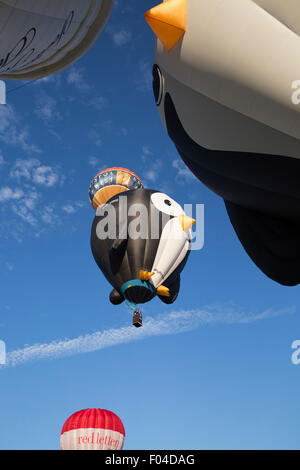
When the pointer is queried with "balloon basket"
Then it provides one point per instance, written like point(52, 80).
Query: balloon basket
point(137, 319)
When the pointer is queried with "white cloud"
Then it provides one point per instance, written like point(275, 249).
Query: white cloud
point(46, 109)
point(25, 200)
point(183, 172)
point(95, 136)
point(99, 103)
point(22, 168)
point(48, 215)
point(9, 194)
point(147, 151)
point(25, 214)
point(76, 78)
point(106, 125)
point(25, 206)
point(175, 322)
point(153, 168)
point(151, 175)
point(11, 132)
point(69, 209)
point(94, 161)
point(31, 169)
point(31, 200)
point(45, 176)
point(53, 79)
point(80, 204)
point(9, 266)
point(144, 80)
point(122, 37)
point(73, 208)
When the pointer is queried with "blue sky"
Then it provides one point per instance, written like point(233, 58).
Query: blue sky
point(214, 370)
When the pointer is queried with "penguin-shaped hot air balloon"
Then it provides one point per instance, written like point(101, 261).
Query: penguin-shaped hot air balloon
point(140, 240)
point(226, 80)
point(39, 38)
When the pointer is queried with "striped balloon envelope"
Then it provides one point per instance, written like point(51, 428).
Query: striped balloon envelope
point(110, 182)
point(92, 429)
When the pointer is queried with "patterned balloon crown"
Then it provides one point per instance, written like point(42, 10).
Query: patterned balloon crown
point(110, 182)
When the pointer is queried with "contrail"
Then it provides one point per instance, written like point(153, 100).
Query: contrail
point(173, 323)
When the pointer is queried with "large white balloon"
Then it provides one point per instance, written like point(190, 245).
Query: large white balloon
point(39, 38)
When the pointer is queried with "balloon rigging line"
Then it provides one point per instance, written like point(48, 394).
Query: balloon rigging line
point(24, 85)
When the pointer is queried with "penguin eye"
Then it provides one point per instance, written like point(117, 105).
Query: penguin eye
point(158, 84)
point(166, 205)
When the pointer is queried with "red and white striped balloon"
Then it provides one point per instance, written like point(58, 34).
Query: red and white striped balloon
point(93, 429)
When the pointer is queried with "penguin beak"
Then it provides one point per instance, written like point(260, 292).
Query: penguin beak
point(168, 21)
point(186, 222)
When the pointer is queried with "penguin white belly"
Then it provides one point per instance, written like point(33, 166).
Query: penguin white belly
point(287, 12)
point(217, 127)
point(172, 249)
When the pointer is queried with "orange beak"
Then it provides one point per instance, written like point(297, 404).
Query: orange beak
point(186, 222)
point(168, 21)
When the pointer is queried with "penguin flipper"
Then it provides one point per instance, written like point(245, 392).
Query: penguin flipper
point(115, 297)
point(173, 291)
point(272, 243)
point(119, 244)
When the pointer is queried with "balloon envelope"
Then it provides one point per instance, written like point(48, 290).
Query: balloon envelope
point(141, 245)
point(41, 38)
point(110, 182)
point(233, 114)
point(93, 429)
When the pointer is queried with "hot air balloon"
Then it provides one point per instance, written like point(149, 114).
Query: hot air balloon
point(110, 182)
point(225, 84)
point(141, 240)
point(93, 429)
point(41, 38)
